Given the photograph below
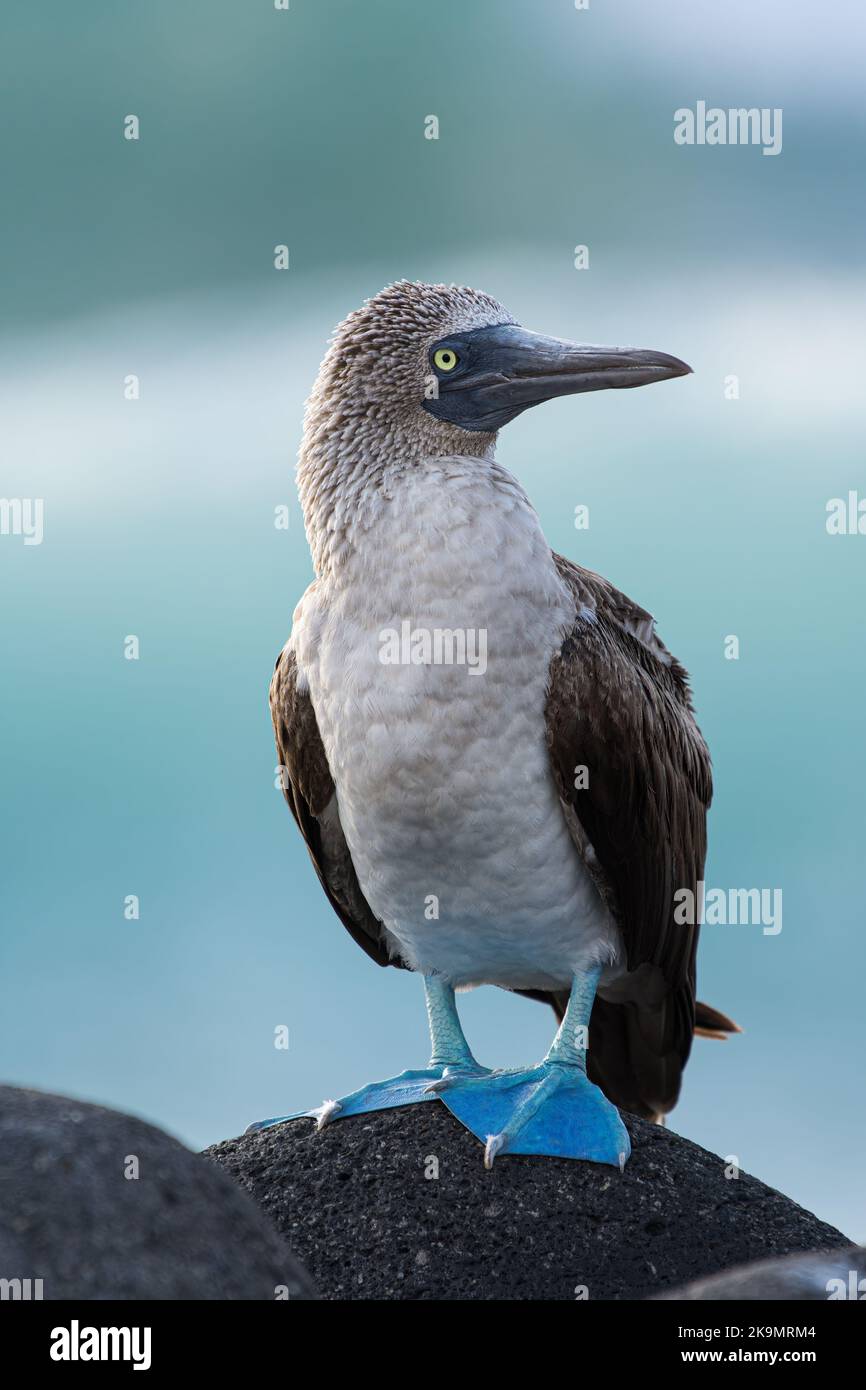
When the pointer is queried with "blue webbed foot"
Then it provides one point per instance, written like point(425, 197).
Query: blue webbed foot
point(409, 1088)
point(552, 1109)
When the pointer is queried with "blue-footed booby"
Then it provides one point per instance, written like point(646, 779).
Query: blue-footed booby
point(491, 755)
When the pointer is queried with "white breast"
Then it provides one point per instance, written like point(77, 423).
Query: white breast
point(442, 775)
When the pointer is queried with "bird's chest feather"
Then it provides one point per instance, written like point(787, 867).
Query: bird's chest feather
point(427, 666)
point(427, 659)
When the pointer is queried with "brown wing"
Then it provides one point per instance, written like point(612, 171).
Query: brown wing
point(619, 705)
point(309, 790)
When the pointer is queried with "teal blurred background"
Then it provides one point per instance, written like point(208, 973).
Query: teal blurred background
point(155, 257)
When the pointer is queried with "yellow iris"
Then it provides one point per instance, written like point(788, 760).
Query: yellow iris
point(445, 359)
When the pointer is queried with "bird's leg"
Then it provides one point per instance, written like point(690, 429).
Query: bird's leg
point(450, 1057)
point(450, 1050)
point(572, 1038)
point(552, 1108)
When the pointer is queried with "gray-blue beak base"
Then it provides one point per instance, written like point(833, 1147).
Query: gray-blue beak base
point(503, 370)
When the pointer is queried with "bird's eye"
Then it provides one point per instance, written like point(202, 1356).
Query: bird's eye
point(445, 359)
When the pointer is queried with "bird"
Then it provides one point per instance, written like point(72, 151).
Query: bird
point(491, 755)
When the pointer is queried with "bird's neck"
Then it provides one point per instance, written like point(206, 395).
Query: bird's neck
point(350, 467)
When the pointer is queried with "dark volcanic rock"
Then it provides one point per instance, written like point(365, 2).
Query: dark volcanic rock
point(357, 1205)
point(797, 1278)
point(69, 1216)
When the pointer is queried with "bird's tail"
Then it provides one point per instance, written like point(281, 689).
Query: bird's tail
point(712, 1023)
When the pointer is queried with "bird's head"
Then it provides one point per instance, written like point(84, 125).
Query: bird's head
point(425, 372)
point(441, 365)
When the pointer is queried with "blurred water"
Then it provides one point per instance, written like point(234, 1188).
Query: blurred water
point(156, 777)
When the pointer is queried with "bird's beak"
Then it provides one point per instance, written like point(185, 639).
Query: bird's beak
point(504, 370)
